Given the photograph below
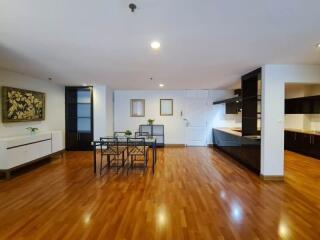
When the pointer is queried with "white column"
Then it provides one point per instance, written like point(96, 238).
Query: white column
point(99, 112)
point(272, 123)
point(102, 111)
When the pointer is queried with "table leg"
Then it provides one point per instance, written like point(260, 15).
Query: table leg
point(8, 175)
point(94, 158)
point(154, 146)
point(155, 151)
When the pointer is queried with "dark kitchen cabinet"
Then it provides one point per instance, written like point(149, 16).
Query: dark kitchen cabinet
point(304, 143)
point(303, 105)
point(315, 146)
point(316, 105)
point(233, 107)
point(245, 150)
point(79, 118)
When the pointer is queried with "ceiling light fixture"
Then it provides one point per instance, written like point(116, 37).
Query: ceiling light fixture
point(155, 45)
point(84, 85)
point(318, 45)
point(161, 85)
point(132, 7)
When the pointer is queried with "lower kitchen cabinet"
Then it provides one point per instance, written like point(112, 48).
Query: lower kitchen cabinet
point(315, 146)
point(304, 143)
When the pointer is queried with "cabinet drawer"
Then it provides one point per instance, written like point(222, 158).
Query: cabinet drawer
point(38, 150)
point(16, 157)
point(23, 154)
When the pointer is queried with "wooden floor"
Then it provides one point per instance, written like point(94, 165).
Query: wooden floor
point(196, 193)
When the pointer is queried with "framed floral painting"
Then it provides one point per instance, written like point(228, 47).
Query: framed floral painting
point(20, 105)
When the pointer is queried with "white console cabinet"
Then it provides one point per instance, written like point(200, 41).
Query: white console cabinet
point(21, 150)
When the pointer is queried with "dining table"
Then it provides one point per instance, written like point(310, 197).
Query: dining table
point(122, 141)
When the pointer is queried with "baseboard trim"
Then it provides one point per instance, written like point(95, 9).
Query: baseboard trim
point(175, 145)
point(272, 178)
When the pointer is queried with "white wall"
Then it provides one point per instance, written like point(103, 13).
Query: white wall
point(174, 125)
point(274, 78)
point(102, 111)
point(55, 102)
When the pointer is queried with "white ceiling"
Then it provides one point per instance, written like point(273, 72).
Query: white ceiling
point(205, 43)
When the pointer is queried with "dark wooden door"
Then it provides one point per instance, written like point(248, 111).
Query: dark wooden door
point(71, 120)
point(84, 141)
point(79, 118)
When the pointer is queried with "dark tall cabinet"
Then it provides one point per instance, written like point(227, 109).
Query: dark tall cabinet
point(79, 118)
point(251, 102)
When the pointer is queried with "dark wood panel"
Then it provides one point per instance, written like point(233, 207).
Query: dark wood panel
point(76, 140)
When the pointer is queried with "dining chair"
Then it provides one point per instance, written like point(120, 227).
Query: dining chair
point(141, 134)
point(110, 147)
point(119, 134)
point(137, 152)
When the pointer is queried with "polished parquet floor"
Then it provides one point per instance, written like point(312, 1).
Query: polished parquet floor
point(196, 193)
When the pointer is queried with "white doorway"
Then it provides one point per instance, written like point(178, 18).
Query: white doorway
point(195, 117)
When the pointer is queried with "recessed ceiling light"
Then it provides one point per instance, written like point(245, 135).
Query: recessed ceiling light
point(155, 45)
point(84, 85)
point(161, 85)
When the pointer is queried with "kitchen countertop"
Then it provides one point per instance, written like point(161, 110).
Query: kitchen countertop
point(237, 132)
point(233, 131)
point(303, 131)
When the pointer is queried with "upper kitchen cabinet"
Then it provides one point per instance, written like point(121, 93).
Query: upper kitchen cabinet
point(303, 105)
point(233, 107)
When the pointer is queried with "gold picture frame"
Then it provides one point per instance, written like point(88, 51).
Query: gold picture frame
point(21, 105)
point(166, 107)
point(137, 107)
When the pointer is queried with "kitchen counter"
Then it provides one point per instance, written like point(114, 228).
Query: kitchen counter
point(303, 131)
point(244, 149)
point(238, 132)
point(233, 131)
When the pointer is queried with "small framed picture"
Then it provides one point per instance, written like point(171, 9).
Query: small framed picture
point(137, 107)
point(166, 107)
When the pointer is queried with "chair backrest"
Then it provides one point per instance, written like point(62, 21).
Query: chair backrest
point(136, 145)
point(111, 143)
point(141, 134)
point(119, 134)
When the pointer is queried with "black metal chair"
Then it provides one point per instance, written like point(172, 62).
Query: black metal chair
point(141, 134)
point(119, 134)
point(137, 152)
point(110, 147)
